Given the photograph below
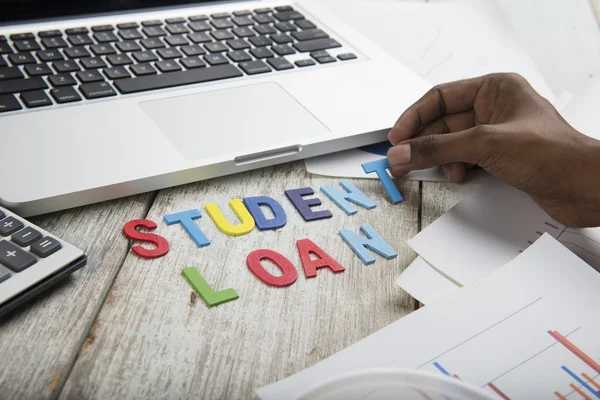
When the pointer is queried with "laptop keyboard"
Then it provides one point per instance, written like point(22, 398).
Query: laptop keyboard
point(87, 63)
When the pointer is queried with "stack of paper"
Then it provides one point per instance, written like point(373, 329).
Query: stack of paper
point(526, 331)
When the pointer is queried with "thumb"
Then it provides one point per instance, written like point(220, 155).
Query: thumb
point(432, 150)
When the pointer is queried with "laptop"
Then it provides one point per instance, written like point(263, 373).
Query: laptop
point(100, 100)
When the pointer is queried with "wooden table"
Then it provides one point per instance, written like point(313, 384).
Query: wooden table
point(127, 327)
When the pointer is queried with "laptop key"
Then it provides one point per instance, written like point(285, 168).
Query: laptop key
point(4, 274)
point(26, 236)
point(317, 44)
point(220, 15)
point(65, 66)
point(128, 46)
point(243, 32)
point(130, 34)
point(319, 53)
point(177, 40)
point(254, 67)
point(154, 31)
point(177, 20)
point(89, 76)
point(177, 29)
point(97, 90)
point(216, 47)
point(264, 10)
point(14, 257)
point(284, 8)
point(242, 21)
point(286, 27)
point(145, 56)
point(5, 48)
point(260, 41)
point(8, 102)
point(36, 99)
point(305, 24)
point(65, 94)
point(216, 59)
point(242, 13)
point(22, 85)
point(238, 44)
point(152, 22)
point(172, 79)
point(38, 69)
point(116, 73)
point(192, 62)
point(326, 59)
point(222, 35)
point(281, 38)
point(221, 23)
point(167, 66)
point(280, 63)
point(45, 247)
point(49, 55)
point(119, 59)
point(199, 37)
point(239, 56)
point(263, 18)
point(10, 73)
point(10, 225)
point(261, 52)
point(77, 52)
point(265, 29)
point(22, 36)
point(309, 34)
point(54, 43)
point(103, 49)
point(76, 31)
point(80, 39)
point(93, 63)
point(102, 28)
point(59, 80)
point(199, 26)
point(200, 17)
point(152, 43)
point(26, 45)
point(347, 56)
point(105, 37)
point(288, 15)
point(283, 49)
point(305, 63)
point(21, 58)
point(193, 50)
point(128, 25)
point(169, 53)
point(143, 69)
point(47, 34)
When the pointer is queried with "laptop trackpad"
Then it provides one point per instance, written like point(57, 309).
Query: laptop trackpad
point(236, 120)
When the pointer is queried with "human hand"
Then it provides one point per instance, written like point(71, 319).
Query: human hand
point(500, 123)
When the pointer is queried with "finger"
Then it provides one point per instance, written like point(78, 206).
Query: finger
point(447, 98)
point(428, 151)
point(449, 123)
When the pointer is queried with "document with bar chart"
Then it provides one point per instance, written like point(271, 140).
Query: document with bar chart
point(530, 330)
point(491, 227)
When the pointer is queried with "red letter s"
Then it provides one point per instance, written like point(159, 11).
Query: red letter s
point(162, 245)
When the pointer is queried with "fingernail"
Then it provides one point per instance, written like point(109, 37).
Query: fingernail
point(401, 154)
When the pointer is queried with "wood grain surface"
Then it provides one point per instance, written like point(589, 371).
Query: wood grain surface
point(155, 338)
point(39, 342)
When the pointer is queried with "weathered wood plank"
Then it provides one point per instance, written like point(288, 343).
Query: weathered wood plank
point(39, 342)
point(439, 197)
point(154, 338)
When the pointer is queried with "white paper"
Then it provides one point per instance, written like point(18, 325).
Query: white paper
point(438, 48)
point(493, 331)
point(424, 283)
point(490, 228)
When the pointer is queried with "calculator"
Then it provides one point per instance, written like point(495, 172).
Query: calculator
point(31, 260)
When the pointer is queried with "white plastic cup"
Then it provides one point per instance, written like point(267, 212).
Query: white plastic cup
point(389, 383)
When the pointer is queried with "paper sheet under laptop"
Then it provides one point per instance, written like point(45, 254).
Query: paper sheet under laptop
point(498, 333)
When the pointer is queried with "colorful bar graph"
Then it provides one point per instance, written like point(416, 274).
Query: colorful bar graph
point(592, 381)
point(580, 381)
point(581, 393)
point(498, 391)
point(575, 350)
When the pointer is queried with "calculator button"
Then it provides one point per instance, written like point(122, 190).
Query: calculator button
point(45, 247)
point(2, 215)
point(4, 274)
point(26, 236)
point(9, 226)
point(14, 257)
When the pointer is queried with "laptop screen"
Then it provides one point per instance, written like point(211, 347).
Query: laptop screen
point(22, 10)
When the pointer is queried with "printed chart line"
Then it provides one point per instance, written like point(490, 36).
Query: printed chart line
point(580, 381)
point(479, 333)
